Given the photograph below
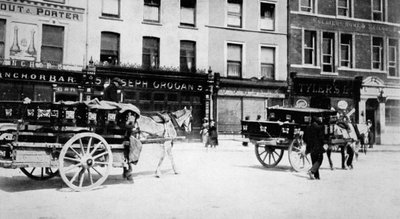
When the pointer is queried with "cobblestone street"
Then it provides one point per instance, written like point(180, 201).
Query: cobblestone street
point(226, 182)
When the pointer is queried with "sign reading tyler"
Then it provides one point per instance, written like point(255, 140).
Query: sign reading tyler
point(41, 11)
point(329, 88)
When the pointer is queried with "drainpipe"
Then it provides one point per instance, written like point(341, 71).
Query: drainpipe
point(86, 57)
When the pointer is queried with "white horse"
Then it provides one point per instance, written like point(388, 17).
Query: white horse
point(164, 126)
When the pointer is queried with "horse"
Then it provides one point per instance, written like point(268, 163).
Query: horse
point(350, 138)
point(165, 125)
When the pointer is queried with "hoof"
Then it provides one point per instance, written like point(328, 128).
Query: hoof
point(158, 174)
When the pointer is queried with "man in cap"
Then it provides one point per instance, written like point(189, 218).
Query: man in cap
point(315, 140)
point(111, 92)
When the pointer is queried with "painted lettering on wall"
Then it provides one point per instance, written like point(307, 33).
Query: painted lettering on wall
point(324, 87)
point(66, 13)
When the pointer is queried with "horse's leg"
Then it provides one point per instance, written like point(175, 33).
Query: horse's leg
point(328, 154)
point(158, 171)
point(343, 153)
point(171, 157)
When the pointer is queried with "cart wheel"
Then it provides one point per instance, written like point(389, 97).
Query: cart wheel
point(297, 156)
point(85, 161)
point(40, 173)
point(267, 155)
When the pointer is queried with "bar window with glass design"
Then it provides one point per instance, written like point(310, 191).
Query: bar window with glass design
point(234, 60)
point(188, 13)
point(310, 47)
point(377, 10)
point(328, 52)
point(151, 10)
point(234, 13)
point(151, 52)
point(344, 8)
point(267, 18)
point(267, 62)
point(346, 50)
point(393, 59)
point(188, 56)
point(307, 6)
point(377, 53)
point(2, 38)
point(52, 49)
point(111, 8)
point(109, 53)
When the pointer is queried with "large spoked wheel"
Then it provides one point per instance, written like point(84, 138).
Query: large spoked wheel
point(40, 173)
point(85, 161)
point(297, 156)
point(268, 155)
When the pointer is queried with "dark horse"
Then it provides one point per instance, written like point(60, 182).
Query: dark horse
point(350, 138)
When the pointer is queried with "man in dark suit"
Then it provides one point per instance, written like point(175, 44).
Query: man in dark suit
point(314, 138)
point(111, 92)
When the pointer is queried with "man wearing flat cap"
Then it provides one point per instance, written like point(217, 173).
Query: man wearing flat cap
point(111, 92)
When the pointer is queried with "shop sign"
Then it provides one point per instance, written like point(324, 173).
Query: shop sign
point(156, 84)
point(53, 77)
point(321, 87)
point(43, 10)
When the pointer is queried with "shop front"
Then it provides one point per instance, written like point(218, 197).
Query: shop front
point(341, 94)
point(151, 91)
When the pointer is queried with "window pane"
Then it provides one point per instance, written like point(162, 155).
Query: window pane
point(342, 3)
point(187, 15)
point(151, 13)
point(111, 7)
point(2, 30)
point(234, 52)
point(52, 55)
point(53, 36)
point(267, 55)
point(309, 37)
point(267, 71)
point(234, 69)
point(377, 5)
point(308, 56)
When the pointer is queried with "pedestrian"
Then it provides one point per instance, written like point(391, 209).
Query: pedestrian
point(204, 131)
point(371, 136)
point(111, 92)
point(315, 141)
point(213, 135)
point(132, 145)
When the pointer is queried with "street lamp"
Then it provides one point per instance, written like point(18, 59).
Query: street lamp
point(381, 96)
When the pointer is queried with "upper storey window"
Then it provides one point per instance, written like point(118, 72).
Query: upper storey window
point(52, 44)
point(267, 16)
point(377, 10)
point(309, 47)
point(234, 60)
point(109, 52)
point(343, 8)
point(393, 58)
point(111, 8)
point(307, 6)
point(151, 52)
point(235, 13)
point(377, 53)
point(188, 12)
point(151, 11)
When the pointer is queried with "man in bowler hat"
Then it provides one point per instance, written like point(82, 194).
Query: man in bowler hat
point(314, 138)
point(111, 92)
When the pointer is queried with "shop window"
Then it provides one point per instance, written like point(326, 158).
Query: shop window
point(159, 96)
point(310, 47)
point(52, 44)
point(144, 96)
point(377, 53)
point(267, 16)
point(234, 13)
point(328, 48)
point(234, 60)
point(377, 10)
point(17, 92)
point(111, 8)
point(188, 12)
point(109, 53)
point(2, 38)
point(267, 62)
point(393, 59)
point(151, 55)
point(151, 11)
point(346, 50)
point(392, 112)
point(307, 6)
point(188, 56)
point(343, 8)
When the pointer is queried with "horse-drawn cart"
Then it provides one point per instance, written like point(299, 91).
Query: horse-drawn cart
point(79, 141)
point(283, 131)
